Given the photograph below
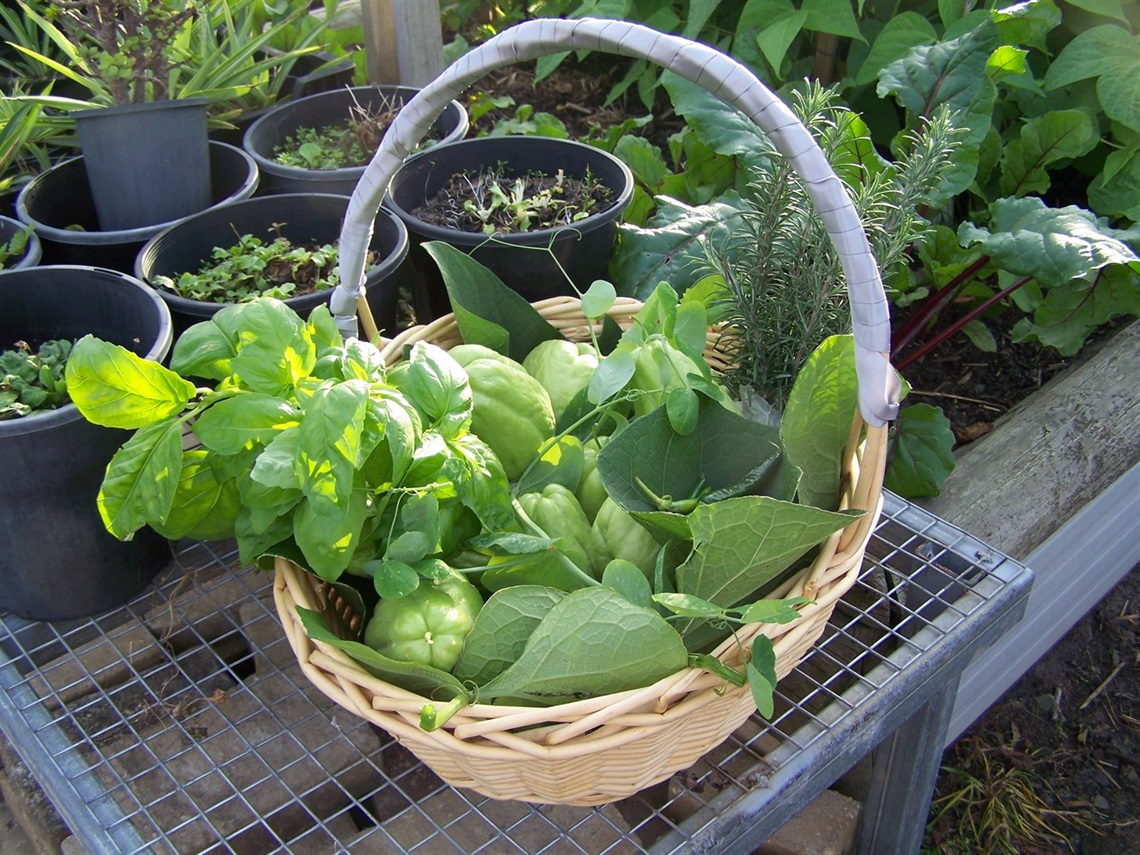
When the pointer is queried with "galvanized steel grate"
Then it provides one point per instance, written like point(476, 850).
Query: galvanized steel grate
point(181, 723)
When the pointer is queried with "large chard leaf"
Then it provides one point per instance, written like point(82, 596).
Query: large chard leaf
point(1051, 245)
point(1116, 191)
point(116, 388)
point(954, 73)
point(817, 419)
point(722, 127)
point(592, 642)
point(141, 479)
point(923, 452)
point(1057, 135)
point(741, 544)
point(501, 631)
point(1067, 316)
point(670, 249)
point(486, 310)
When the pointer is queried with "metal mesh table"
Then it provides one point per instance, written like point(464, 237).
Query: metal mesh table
point(181, 723)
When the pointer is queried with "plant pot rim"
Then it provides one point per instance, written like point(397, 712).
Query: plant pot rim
point(140, 107)
point(379, 271)
point(271, 166)
point(135, 235)
point(48, 419)
point(535, 237)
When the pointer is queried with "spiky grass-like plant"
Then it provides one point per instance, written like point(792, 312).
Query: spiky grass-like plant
point(786, 291)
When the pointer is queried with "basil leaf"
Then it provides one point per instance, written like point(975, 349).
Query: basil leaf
point(141, 479)
point(116, 388)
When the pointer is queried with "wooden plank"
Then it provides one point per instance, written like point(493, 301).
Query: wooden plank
point(1050, 455)
point(403, 40)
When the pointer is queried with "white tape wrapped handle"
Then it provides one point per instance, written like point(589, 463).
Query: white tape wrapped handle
point(879, 387)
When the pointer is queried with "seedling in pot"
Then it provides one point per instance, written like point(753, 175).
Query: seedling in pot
point(349, 143)
point(253, 268)
point(493, 202)
point(32, 381)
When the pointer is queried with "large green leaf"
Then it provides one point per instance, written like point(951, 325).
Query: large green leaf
point(923, 455)
point(1108, 53)
point(275, 347)
point(1057, 135)
point(116, 388)
point(203, 508)
point(741, 544)
point(328, 535)
point(724, 448)
point(141, 479)
point(236, 424)
point(592, 642)
point(203, 350)
point(817, 419)
point(1067, 316)
point(486, 310)
point(1116, 191)
point(330, 446)
point(1052, 245)
point(953, 73)
point(671, 248)
point(501, 631)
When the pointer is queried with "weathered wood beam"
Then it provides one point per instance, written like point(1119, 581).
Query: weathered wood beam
point(403, 40)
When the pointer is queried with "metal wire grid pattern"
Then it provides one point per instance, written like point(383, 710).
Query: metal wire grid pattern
point(181, 722)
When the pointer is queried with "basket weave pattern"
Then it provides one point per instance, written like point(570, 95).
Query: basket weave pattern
point(596, 750)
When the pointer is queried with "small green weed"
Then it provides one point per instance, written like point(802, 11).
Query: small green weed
point(493, 202)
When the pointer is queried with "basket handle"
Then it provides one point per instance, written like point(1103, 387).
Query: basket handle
point(879, 386)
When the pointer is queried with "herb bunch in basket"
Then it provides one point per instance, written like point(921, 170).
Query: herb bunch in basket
point(522, 517)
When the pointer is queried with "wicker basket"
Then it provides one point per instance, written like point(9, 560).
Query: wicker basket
point(602, 749)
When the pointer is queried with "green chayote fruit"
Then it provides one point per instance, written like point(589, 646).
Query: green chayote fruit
point(563, 368)
point(591, 493)
point(556, 511)
point(615, 534)
point(511, 412)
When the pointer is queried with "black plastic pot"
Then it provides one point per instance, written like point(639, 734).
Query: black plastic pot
point(583, 250)
point(58, 203)
point(146, 163)
point(9, 228)
point(323, 110)
point(57, 560)
point(303, 218)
